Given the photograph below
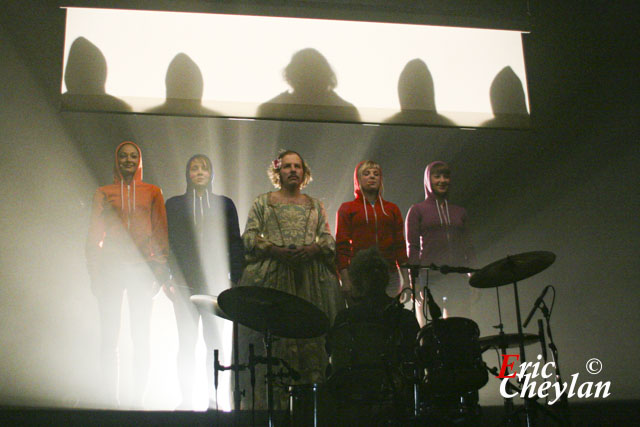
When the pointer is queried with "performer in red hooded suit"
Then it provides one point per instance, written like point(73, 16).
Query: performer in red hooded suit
point(370, 221)
point(126, 249)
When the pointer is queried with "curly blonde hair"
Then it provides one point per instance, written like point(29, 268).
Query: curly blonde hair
point(273, 171)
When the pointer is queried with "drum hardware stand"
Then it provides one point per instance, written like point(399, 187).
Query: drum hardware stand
point(236, 367)
point(268, 339)
point(503, 272)
point(530, 405)
point(508, 401)
point(263, 310)
point(510, 418)
point(414, 273)
point(528, 408)
point(237, 393)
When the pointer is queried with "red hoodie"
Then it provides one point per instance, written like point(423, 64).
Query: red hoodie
point(128, 222)
point(359, 225)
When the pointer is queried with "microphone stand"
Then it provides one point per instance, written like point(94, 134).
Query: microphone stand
point(414, 272)
point(564, 401)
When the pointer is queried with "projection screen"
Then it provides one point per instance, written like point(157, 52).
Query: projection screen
point(241, 66)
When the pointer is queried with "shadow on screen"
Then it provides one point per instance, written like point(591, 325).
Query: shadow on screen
point(507, 101)
point(312, 97)
point(85, 77)
point(417, 97)
point(184, 89)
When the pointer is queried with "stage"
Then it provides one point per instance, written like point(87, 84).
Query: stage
point(597, 413)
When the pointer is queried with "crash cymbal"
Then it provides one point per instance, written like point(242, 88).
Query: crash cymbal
point(506, 341)
point(512, 269)
point(282, 314)
point(209, 304)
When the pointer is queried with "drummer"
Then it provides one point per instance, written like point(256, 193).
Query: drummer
point(387, 319)
point(371, 303)
point(289, 248)
point(437, 233)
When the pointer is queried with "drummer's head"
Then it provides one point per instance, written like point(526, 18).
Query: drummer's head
point(369, 273)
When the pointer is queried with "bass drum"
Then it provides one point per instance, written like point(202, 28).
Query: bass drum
point(450, 352)
point(361, 362)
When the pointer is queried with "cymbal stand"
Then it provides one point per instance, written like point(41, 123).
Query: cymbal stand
point(508, 401)
point(268, 338)
point(414, 272)
point(237, 394)
point(530, 404)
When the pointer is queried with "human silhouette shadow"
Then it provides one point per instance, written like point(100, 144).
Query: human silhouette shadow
point(85, 77)
point(184, 88)
point(313, 96)
point(507, 101)
point(417, 97)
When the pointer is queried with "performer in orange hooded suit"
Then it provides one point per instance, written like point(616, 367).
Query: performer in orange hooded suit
point(126, 249)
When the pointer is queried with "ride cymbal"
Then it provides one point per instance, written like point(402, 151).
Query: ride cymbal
point(511, 269)
point(266, 309)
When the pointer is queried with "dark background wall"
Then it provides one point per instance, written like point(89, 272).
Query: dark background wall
point(569, 186)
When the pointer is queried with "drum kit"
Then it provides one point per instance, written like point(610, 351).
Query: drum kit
point(445, 372)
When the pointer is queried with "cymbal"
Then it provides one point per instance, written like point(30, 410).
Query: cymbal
point(507, 340)
point(280, 313)
point(209, 304)
point(512, 269)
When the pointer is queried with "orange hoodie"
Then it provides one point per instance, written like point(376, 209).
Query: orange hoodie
point(128, 223)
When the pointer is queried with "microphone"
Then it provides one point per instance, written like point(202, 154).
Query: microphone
point(543, 341)
point(535, 306)
point(216, 367)
point(434, 309)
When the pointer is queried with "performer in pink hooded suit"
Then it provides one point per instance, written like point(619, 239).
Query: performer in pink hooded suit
point(437, 233)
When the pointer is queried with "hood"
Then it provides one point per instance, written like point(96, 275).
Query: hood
point(117, 176)
point(190, 186)
point(428, 192)
point(357, 192)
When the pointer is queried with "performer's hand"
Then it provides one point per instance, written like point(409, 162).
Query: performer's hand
point(345, 288)
point(169, 290)
point(283, 254)
point(305, 253)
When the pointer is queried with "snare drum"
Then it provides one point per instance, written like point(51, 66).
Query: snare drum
point(450, 352)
